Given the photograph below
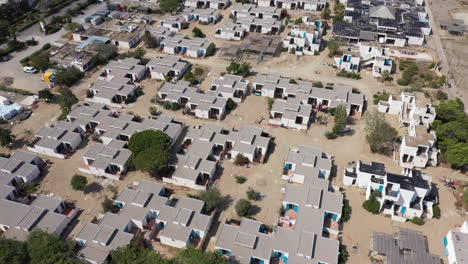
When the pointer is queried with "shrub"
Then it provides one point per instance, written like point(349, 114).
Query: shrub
point(212, 198)
point(197, 33)
point(79, 182)
point(108, 205)
point(346, 211)
point(199, 71)
point(372, 205)
point(150, 143)
point(153, 110)
point(417, 221)
point(175, 106)
point(241, 179)
point(241, 160)
point(330, 135)
point(89, 94)
point(350, 75)
point(210, 51)
point(298, 21)
point(230, 104)
point(242, 69)
point(318, 84)
point(46, 94)
point(344, 255)
point(252, 194)
point(243, 208)
point(381, 96)
point(436, 211)
point(270, 103)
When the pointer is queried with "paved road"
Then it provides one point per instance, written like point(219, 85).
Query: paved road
point(453, 91)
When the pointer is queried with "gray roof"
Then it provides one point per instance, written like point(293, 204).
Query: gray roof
point(167, 64)
point(408, 247)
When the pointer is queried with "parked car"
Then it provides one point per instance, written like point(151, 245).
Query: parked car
point(25, 115)
point(29, 69)
point(5, 58)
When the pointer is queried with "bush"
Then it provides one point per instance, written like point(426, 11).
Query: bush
point(417, 221)
point(344, 255)
point(198, 71)
point(241, 179)
point(210, 51)
point(270, 103)
point(46, 94)
point(441, 96)
point(68, 77)
point(197, 33)
point(241, 160)
point(252, 194)
point(243, 208)
point(436, 211)
point(212, 198)
point(381, 96)
point(379, 134)
point(372, 205)
point(330, 135)
point(108, 205)
point(89, 94)
point(350, 75)
point(79, 182)
point(242, 69)
point(318, 84)
point(150, 143)
point(230, 104)
point(346, 211)
point(298, 21)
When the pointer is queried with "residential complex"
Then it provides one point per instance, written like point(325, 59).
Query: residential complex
point(118, 83)
point(307, 231)
point(230, 31)
point(456, 245)
point(180, 44)
point(305, 39)
point(20, 213)
point(69, 55)
point(362, 55)
point(255, 19)
point(204, 146)
point(144, 208)
point(310, 5)
point(122, 38)
point(206, 105)
point(231, 86)
point(407, 246)
point(216, 4)
point(167, 68)
point(398, 23)
point(290, 113)
point(401, 196)
point(417, 149)
point(275, 86)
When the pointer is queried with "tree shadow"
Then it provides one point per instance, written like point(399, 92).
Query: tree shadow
point(93, 187)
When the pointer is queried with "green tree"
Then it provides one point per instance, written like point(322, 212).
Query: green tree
point(40, 61)
point(46, 94)
point(150, 41)
point(212, 198)
point(417, 221)
point(333, 48)
point(298, 21)
point(339, 10)
point(192, 255)
point(326, 13)
point(211, 50)
point(151, 150)
point(243, 208)
point(230, 104)
point(48, 249)
point(381, 96)
point(66, 99)
point(341, 119)
point(169, 6)
point(108, 205)
point(239, 69)
point(436, 211)
point(6, 137)
point(78, 182)
point(344, 255)
point(270, 103)
point(372, 205)
point(241, 160)
point(346, 211)
point(197, 33)
point(105, 52)
point(72, 26)
point(379, 134)
point(385, 76)
point(13, 251)
point(252, 194)
point(133, 254)
point(68, 77)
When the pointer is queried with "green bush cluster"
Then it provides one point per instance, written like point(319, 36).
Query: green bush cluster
point(350, 75)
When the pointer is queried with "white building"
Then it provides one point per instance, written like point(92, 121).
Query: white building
point(417, 113)
point(456, 245)
point(180, 44)
point(231, 86)
point(402, 196)
point(174, 23)
point(167, 67)
point(230, 31)
point(290, 113)
point(366, 56)
point(208, 15)
point(304, 40)
point(9, 109)
point(310, 5)
point(216, 4)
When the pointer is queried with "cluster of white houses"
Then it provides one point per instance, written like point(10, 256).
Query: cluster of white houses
point(310, 5)
point(456, 245)
point(215, 4)
point(402, 196)
point(109, 156)
point(19, 215)
point(362, 55)
point(209, 104)
point(417, 149)
point(263, 20)
point(307, 232)
point(204, 146)
point(144, 208)
point(295, 100)
point(305, 39)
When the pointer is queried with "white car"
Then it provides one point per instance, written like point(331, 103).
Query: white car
point(29, 69)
